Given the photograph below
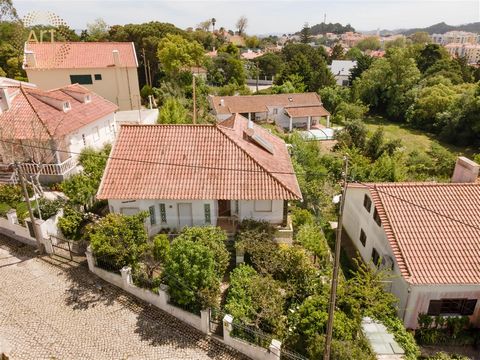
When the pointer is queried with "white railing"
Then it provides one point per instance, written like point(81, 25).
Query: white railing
point(50, 169)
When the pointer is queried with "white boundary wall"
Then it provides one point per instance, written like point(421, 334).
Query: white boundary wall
point(160, 300)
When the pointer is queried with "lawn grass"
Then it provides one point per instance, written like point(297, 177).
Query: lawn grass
point(412, 139)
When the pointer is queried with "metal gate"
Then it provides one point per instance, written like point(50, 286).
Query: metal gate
point(216, 322)
point(67, 249)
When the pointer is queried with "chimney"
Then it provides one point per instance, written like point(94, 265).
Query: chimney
point(466, 171)
point(250, 124)
point(116, 57)
point(30, 61)
point(222, 102)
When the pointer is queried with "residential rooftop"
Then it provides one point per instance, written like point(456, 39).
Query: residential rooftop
point(433, 229)
point(78, 55)
point(227, 161)
point(32, 113)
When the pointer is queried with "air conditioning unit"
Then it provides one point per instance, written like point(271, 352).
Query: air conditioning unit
point(387, 262)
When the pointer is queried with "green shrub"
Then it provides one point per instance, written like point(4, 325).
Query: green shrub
point(11, 194)
point(190, 275)
point(48, 208)
point(4, 208)
point(300, 217)
point(403, 337)
point(71, 223)
point(311, 237)
point(22, 212)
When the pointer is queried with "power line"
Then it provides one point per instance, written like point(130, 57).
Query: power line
point(418, 205)
point(148, 161)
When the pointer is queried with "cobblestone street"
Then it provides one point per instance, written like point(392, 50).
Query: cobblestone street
point(50, 309)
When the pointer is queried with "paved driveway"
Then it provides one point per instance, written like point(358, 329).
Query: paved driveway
point(53, 310)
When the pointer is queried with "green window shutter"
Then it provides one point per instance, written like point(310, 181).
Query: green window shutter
point(208, 217)
point(163, 213)
point(151, 210)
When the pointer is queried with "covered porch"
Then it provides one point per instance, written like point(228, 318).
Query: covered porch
point(307, 117)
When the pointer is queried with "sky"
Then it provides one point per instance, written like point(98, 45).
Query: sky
point(264, 17)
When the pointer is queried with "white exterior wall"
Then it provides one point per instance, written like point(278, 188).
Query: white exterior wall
point(93, 138)
point(171, 209)
point(413, 299)
point(340, 79)
point(246, 211)
point(420, 296)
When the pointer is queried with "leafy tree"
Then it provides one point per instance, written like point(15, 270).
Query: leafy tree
point(388, 168)
point(117, 239)
point(354, 53)
point(270, 64)
point(154, 255)
point(213, 238)
point(255, 300)
point(294, 84)
point(190, 275)
point(337, 52)
point(386, 84)
point(173, 112)
point(241, 25)
point(447, 68)
point(7, 11)
point(71, 223)
point(420, 37)
point(175, 54)
point(226, 69)
point(369, 43)
point(312, 238)
point(252, 42)
point(307, 62)
point(363, 63)
point(97, 30)
point(353, 134)
point(350, 111)
point(333, 96)
point(430, 54)
point(305, 34)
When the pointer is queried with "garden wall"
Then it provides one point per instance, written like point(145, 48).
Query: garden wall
point(160, 300)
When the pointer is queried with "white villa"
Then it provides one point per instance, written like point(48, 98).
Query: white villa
point(45, 130)
point(427, 235)
point(304, 110)
point(186, 175)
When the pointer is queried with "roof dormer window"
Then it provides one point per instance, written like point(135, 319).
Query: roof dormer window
point(88, 99)
point(66, 106)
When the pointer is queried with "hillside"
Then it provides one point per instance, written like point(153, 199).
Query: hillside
point(442, 27)
point(335, 28)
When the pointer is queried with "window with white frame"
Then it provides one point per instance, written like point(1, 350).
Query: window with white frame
point(263, 205)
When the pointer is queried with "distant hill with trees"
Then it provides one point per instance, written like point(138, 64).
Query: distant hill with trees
point(442, 27)
point(335, 28)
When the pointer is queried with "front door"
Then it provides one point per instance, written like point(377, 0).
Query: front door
point(224, 208)
point(184, 215)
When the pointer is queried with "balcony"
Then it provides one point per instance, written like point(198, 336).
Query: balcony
point(60, 169)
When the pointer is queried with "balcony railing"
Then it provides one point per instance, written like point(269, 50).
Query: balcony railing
point(50, 169)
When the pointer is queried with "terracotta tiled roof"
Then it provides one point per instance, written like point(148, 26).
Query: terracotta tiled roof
point(32, 117)
point(259, 103)
point(198, 162)
point(80, 55)
point(436, 241)
point(302, 111)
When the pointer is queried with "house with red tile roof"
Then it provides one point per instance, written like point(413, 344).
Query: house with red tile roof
point(106, 68)
point(186, 175)
point(302, 110)
point(427, 235)
point(45, 130)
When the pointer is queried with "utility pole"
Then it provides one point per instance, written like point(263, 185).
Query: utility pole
point(336, 266)
point(149, 74)
point(29, 206)
point(194, 100)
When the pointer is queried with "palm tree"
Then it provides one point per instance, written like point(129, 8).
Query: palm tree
point(213, 21)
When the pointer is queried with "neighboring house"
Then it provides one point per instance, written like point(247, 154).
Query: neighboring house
point(289, 111)
point(107, 68)
point(341, 71)
point(471, 52)
point(40, 128)
point(461, 37)
point(186, 175)
point(428, 236)
point(251, 54)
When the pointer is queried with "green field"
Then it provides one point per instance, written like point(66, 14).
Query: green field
point(412, 139)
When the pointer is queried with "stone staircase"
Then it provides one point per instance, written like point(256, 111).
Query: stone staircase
point(7, 175)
